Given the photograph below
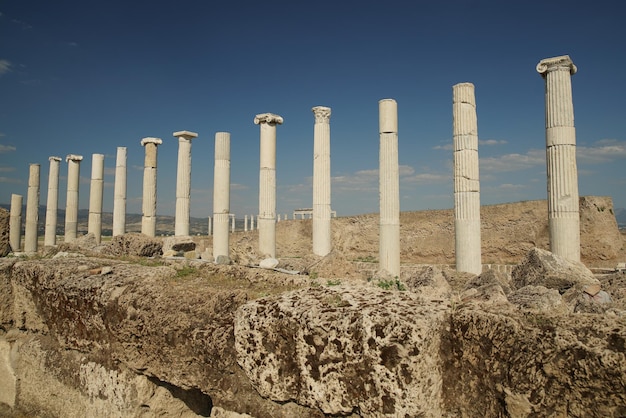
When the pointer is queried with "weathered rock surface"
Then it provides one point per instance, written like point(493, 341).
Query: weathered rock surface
point(179, 243)
point(5, 245)
point(133, 244)
point(345, 349)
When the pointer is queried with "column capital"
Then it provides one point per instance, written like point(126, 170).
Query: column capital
point(268, 118)
point(561, 63)
point(54, 158)
point(150, 140)
point(73, 157)
point(185, 134)
point(322, 114)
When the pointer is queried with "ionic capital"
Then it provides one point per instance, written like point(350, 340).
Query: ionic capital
point(150, 140)
point(268, 118)
point(322, 114)
point(73, 157)
point(185, 135)
point(561, 63)
point(53, 158)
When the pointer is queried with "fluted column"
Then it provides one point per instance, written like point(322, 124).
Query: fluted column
point(94, 225)
point(71, 203)
point(52, 203)
point(466, 180)
point(183, 182)
point(32, 210)
point(389, 246)
point(221, 195)
point(267, 183)
point(119, 196)
point(15, 222)
point(563, 209)
point(149, 202)
point(210, 226)
point(321, 181)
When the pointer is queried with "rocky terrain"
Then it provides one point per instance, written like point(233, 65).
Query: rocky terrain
point(116, 330)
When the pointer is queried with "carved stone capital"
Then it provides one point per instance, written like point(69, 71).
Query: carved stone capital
point(185, 134)
point(150, 140)
point(561, 63)
point(268, 118)
point(73, 157)
point(53, 158)
point(322, 114)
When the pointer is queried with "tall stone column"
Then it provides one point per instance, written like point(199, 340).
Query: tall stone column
point(267, 183)
point(32, 210)
point(183, 182)
point(251, 222)
point(210, 226)
point(466, 180)
point(321, 181)
point(119, 197)
point(71, 205)
point(52, 203)
point(245, 223)
point(94, 225)
point(148, 219)
point(221, 195)
point(389, 246)
point(15, 222)
point(563, 209)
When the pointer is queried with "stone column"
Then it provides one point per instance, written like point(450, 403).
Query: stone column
point(183, 182)
point(232, 225)
point(94, 225)
point(267, 183)
point(321, 181)
point(221, 196)
point(210, 227)
point(71, 203)
point(251, 222)
point(32, 210)
point(389, 250)
point(148, 220)
point(466, 180)
point(563, 209)
point(15, 222)
point(52, 203)
point(119, 197)
point(245, 223)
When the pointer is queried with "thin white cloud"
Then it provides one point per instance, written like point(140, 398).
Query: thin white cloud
point(4, 169)
point(446, 147)
point(5, 67)
point(602, 151)
point(10, 180)
point(491, 142)
point(428, 178)
point(513, 162)
point(6, 148)
point(109, 171)
point(237, 186)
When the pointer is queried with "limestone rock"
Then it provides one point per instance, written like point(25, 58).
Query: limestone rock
point(179, 243)
point(268, 263)
point(133, 244)
point(5, 245)
point(491, 293)
point(491, 277)
point(345, 348)
point(222, 259)
point(538, 298)
point(86, 242)
point(543, 268)
point(429, 282)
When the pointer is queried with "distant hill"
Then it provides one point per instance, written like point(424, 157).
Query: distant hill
point(620, 216)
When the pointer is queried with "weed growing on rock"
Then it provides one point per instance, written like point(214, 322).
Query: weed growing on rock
point(391, 284)
point(333, 282)
point(368, 259)
point(185, 271)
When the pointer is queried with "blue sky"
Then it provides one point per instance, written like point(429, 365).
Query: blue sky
point(84, 77)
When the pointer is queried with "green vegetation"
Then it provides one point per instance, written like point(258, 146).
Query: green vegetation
point(185, 271)
point(368, 259)
point(391, 284)
point(330, 282)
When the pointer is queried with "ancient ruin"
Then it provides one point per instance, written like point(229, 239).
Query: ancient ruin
point(183, 182)
point(71, 205)
point(389, 252)
point(95, 196)
point(148, 220)
point(15, 222)
point(52, 204)
point(221, 197)
point(563, 211)
point(267, 183)
point(119, 197)
point(32, 210)
point(466, 181)
point(322, 243)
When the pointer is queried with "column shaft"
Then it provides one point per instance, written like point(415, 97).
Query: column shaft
point(466, 180)
point(119, 197)
point(221, 195)
point(94, 225)
point(32, 210)
point(563, 205)
point(149, 202)
point(71, 205)
point(52, 203)
point(15, 222)
point(321, 182)
point(389, 244)
point(183, 182)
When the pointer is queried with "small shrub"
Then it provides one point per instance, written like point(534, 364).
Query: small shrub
point(333, 282)
point(391, 284)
